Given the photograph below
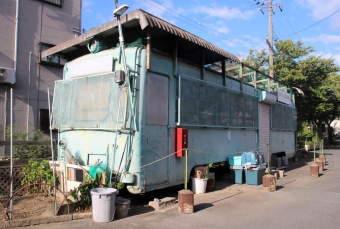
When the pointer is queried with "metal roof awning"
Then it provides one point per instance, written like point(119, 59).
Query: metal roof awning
point(134, 25)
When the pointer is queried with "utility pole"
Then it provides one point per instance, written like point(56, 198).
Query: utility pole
point(270, 31)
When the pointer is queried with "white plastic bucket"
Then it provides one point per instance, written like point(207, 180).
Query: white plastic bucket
point(199, 185)
point(103, 204)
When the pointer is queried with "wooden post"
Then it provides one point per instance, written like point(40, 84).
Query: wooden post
point(269, 182)
point(185, 196)
point(314, 170)
point(186, 201)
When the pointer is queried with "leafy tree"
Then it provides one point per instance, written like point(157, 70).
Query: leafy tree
point(296, 66)
point(258, 60)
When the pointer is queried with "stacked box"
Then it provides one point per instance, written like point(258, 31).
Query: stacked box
point(234, 160)
point(249, 158)
point(254, 175)
point(237, 174)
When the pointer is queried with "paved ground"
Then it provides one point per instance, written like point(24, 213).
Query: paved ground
point(300, 202)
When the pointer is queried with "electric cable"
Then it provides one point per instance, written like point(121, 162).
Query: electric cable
point(312, 24)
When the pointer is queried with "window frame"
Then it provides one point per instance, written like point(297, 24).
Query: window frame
point(44, 117)
point(49, 58)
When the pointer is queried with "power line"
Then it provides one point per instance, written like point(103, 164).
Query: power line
point(290, 24)
point(242, 10)
point(281, 23)
point(189, 20)
point(312, 24)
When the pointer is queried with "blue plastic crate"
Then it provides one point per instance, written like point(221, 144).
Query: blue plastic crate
point(237, 175)
point(254, 175)
point(249, 157)
point(235, 160)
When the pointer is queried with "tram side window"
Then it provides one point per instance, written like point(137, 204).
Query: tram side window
point(157, 99)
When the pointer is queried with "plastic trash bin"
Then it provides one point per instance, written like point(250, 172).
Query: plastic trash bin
point(103, 204)
point(237, 174)
point(122, 208)
point(254, 175)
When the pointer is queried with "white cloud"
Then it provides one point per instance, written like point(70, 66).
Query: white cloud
point(101, 18)
point(218, 28)
point(321, 9)
point(160, 9)
point(223, 12)
point(87, 6)
point(323, 38)
point(253, 39)
point(248, 42)
point(336, 57)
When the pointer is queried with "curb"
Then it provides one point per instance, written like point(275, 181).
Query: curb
point(163, 204)
point(43, 220)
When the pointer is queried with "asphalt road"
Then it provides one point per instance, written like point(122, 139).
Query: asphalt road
point(300, 201)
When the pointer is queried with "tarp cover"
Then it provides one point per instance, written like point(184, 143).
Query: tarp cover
point(88, 102)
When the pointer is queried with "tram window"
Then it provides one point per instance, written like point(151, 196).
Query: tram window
point(157, 99)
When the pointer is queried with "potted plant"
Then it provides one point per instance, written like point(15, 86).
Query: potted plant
point(308, 145)
point(199, 182)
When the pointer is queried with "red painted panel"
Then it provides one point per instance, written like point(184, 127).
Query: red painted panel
point(181, 141)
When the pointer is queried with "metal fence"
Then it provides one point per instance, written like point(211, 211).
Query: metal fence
point(206, 104)
point(283, 117)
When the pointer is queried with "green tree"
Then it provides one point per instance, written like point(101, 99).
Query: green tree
point(296, 66)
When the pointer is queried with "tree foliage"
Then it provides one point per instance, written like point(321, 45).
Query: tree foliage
point(36, 173)
point(295, 65)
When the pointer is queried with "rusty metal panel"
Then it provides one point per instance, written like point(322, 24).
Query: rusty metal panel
point(145, 20)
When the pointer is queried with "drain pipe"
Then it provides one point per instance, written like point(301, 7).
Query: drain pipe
point(11, 149)
point(5, 118)
point(16, 36)
point(28, 94)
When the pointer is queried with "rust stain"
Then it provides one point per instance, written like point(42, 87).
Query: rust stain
point(188, 208)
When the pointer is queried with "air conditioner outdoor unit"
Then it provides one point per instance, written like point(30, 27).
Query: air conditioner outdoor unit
point(7, 75)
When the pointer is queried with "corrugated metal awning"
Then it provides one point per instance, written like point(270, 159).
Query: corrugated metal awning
point(130, 21)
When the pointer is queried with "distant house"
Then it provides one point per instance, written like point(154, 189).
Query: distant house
point(27, 28)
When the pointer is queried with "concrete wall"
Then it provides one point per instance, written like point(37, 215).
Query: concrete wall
point(38, 22)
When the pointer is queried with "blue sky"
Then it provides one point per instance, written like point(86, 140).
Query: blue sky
point(238, 25)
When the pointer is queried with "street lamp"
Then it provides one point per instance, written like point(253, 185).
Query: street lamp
point(118, 12)
point(298, 90)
